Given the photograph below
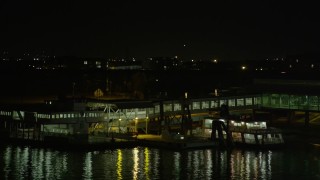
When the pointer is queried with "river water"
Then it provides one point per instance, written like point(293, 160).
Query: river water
point(25, 162)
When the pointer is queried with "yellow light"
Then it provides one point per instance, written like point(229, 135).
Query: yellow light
point(136, 163)
point(146, 163)
point(119, 164)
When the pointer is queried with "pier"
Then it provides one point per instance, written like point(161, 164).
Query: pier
point(94, 121)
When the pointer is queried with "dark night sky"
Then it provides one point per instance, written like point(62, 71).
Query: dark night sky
point(228, 30)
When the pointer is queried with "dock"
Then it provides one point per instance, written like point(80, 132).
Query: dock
point(181, 144)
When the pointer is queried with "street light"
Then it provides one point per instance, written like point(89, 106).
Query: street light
point(136, 124)
point(147, 125)
point(119, 125)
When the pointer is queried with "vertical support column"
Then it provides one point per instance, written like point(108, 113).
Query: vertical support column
point(220, 134)
point(306, 118)
point(291, 116)
point(272, 118)
point(23, 126)
point(161, 117)
point(34, 131)
point(242, 138)
point(28, 133)
point(39, 129)
point(256, 139)
point(213, 131)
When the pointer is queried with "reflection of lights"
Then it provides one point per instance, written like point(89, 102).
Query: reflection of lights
point(269, 165)
point(135, 163)
point(208, 160)
point(25, 158)
point(248, 165)
point(37, 161)
point(155, 162)
point(176, 158)
point(146, 163)
point(195, 161)
point(87, 166)
point(7, 160)
point(119, 164)
point(48, 164)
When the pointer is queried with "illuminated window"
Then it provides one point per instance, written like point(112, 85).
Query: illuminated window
point(196, 105)
point(240, 102)
point(231, 102)
point(157, 108)
point(176, 107)
point(248, 101)
point(205, 104)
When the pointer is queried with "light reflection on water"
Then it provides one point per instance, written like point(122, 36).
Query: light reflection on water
point(149, 163)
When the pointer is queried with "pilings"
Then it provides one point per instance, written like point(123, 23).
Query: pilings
point(218, 127)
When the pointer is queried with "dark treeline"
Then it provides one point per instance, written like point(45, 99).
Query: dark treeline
point(164, 78)
point(140, 84)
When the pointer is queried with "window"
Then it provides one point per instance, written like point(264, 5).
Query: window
point(248, 101)
point(240, 102)
point(231, 102)
point(205, 104)
point(196, 105)
point(177, 107)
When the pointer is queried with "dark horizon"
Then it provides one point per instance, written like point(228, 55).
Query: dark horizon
point(199, 30)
